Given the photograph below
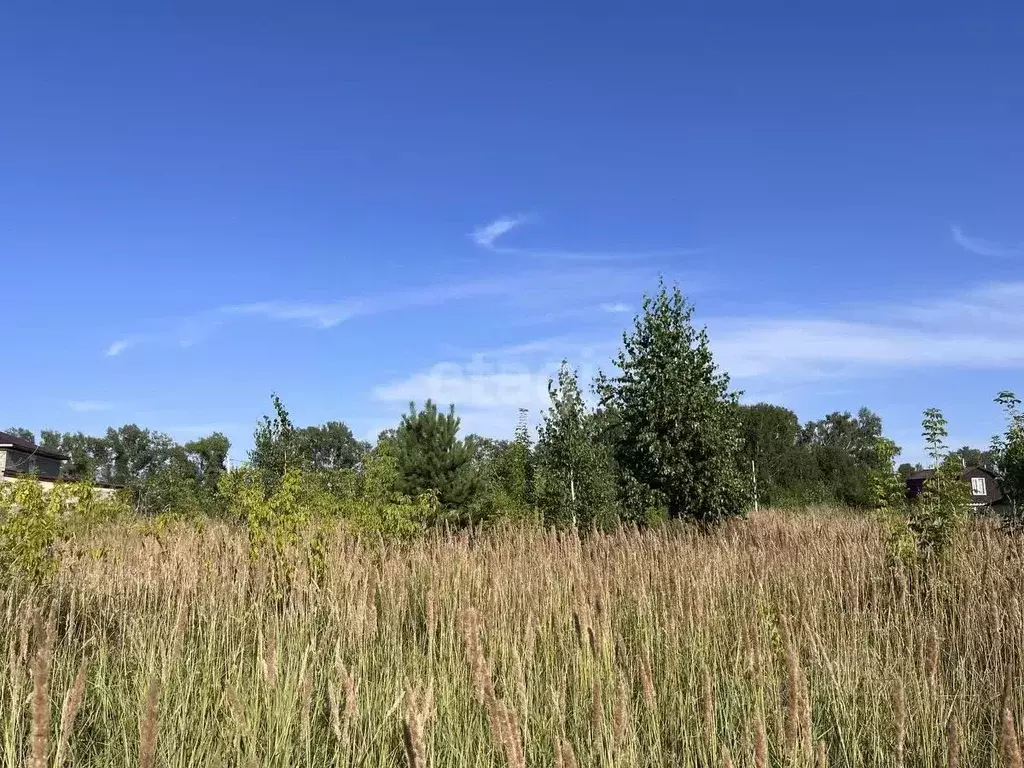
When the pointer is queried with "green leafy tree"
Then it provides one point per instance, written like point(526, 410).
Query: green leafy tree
point(841, 453)
point(21, 433)
point(906, 469)
point(678, 429)
point(187, 482)
point(208, 457)
point(635, 501)
point(431, 457)
point(772, 453)
point(975, 457)
point(888, 486)
point(329, 450)
point(937, 513)
point(276, 446)
point(1008, 457)
point(330, 446)
point(137, 459)
point(507, 472)
point(89, 456)
point(575, 476)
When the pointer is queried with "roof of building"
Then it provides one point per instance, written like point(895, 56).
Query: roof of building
point(27, 446)
point(924, 474)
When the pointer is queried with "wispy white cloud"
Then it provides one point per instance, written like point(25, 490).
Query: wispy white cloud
point(488, 234)
point(773, 355)
point(317, 315)
point(119, 346)
point(502, 386)
point(981, 247)
point(188, 331)
point(615, 307)
point(981, 328)
point(89, 406)
point(800, 348)
point(487, 237)
point(325, 315)
point(494, 384)
point(526, 296)
point(983, 308)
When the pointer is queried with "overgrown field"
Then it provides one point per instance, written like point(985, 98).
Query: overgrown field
point(770, 641)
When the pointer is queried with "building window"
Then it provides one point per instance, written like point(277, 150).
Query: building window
point(978, 486)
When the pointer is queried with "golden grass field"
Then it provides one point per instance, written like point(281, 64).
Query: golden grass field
point(784, 639)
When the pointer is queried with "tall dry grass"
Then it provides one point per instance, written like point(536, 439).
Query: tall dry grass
point(780, 640)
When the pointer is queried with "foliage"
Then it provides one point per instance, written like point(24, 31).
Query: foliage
point(32, 527)
point(771, 449)
point(888, 486)
point(840, 455)
point(924, 528)
point(22, 433)
point(975, 457)
point(507, 478)
point(575, 481)
point(677, 423)
point(35, 522)
point(889, 494)
point(935, 516)
point(906, 469)
point(273, 520)
point(328, 447)
point(275, 444)
point(431, 457)
point(89, 455)
point(380, 508)
point(1008, 456)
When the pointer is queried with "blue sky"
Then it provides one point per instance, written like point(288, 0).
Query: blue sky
point(202, 205)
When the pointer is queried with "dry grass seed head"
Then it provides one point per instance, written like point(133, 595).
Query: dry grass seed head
point(952, 743)
point(760, 742)
point(1009, 742)
point(901, 723)
point(72, 703)
point(419, 707)
point(148, 725)
point(821, 755)
point(42, 665)
point(566, 754)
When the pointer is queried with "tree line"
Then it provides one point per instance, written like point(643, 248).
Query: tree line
point(661, 436)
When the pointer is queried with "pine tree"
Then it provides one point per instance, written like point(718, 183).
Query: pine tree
point(678, 428)
point(431, 457)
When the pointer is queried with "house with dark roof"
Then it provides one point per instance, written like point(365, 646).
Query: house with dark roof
point(23, 458)
point(985, 490)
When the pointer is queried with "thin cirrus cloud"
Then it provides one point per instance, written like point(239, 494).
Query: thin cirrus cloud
point(615, 307)
point(767, 353)
point(982, 247)
point(454, 383)
point(504, 379)
point(529, 293)
point(488, 236)
point(120, 346)
point(981, 328)
point(191, 330)
point(317, 315)
point(808, 348)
